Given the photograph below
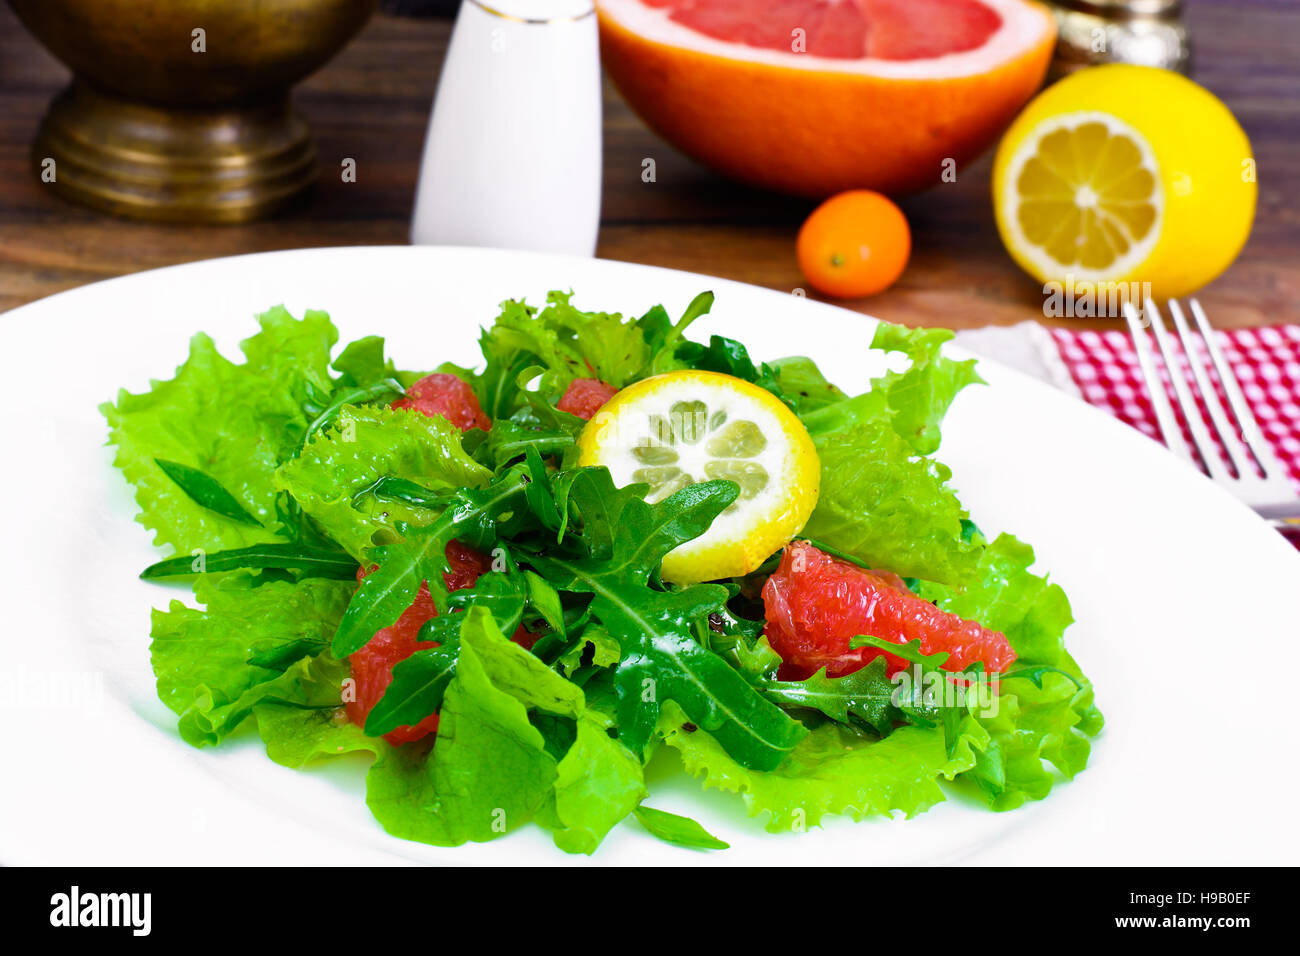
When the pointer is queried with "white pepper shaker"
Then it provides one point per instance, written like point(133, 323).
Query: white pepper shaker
point(512, 158)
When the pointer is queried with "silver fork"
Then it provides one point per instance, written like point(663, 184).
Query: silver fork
point(1267, 490)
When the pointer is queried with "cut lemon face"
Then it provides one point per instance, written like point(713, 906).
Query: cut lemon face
point(674, 430)
point(1086, 197)
point(1130, 179)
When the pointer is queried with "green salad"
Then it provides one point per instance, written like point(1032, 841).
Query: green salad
point(444, 569)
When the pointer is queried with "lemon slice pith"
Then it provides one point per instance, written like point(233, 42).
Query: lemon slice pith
point(676, 429)
point(1086, 196)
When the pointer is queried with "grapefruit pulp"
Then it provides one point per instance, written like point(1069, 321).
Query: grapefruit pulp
point(814, 97)
point(816, 604)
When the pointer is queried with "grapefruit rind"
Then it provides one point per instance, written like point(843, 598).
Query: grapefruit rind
point(816, 126)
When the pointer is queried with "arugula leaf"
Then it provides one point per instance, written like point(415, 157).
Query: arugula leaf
point(661, 660)
point(543, 597)
point(365, 444)
point(867, 694)
point(1036, 674)
point(678, 830)
point(907, 650)
point(205, 490)
point(420, 556)
point(392, 488)
point(667, 340)
point(802, 382)
point(420, 680)
point(313, 562)
point(730, 357)
point(418, 685)
point(509, 440)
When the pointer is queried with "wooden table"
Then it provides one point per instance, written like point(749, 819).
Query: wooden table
point(372, 104)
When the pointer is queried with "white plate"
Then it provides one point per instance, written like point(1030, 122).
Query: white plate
point(1186, 602)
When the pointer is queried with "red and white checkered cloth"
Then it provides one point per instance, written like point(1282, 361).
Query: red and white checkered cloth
point(1101, 367)
point(1104, 367)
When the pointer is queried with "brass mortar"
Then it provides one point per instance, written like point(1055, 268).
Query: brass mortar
point(179, 109)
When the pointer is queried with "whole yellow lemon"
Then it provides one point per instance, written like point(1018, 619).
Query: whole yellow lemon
point(1126, 175)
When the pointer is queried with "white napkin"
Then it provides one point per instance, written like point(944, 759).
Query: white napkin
point(1027, 347)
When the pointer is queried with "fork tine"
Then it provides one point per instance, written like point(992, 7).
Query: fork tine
point(1237, 451)
point(1250, 430)
point(1169, 430)
point(1191, 413)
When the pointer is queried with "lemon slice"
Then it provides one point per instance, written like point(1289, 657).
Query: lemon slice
point(1086, 197)
point(673, 430)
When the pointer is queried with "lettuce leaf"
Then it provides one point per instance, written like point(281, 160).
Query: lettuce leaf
point(889, 507)
point(295, 736)
point(882, 501)
point(570, 344)
point(598, 783)
point(332, 477)
point(247, 645)
point(1004, 595)
point(236, 423)
point(833, 770)
point(918, 398)
point(489, 770)
point(1033, 724)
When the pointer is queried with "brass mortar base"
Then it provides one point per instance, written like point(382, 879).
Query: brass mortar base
point(219, 165)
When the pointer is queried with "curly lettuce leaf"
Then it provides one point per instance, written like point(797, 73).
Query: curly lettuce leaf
point(833, 770)
point(1048, 714)
point(1004, 595)
point(247, 645)
point(1031, 725)
point(362, 363)
point(567, 341)
point(333, 476)
point(889, 507)
point(236, 423)
point(918, 397)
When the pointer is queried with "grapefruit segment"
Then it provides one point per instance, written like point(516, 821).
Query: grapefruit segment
point(815, 97)
point(816, 604)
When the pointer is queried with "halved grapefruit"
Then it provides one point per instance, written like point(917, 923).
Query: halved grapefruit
point(817, 96)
